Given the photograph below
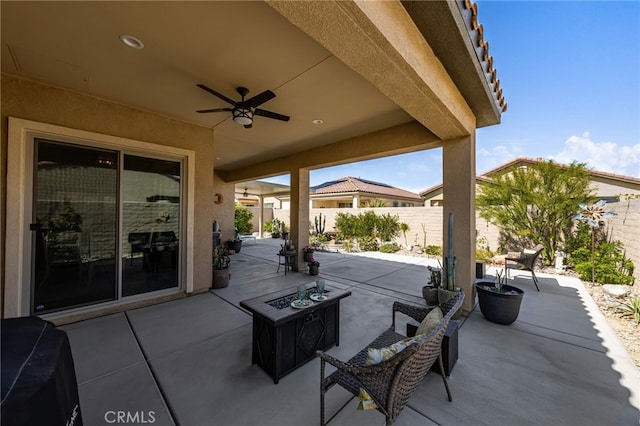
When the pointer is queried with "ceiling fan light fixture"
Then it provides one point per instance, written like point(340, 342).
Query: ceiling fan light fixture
point(242, 116)
point(245, 194)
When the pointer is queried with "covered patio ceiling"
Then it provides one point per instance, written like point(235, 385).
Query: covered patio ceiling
point(262, 188)
point(224, 45)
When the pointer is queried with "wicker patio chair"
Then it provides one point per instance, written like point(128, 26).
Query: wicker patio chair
point(526, 261)
point(392, 382)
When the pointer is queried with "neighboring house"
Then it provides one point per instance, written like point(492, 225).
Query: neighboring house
point(350, 192)
point(608, 186)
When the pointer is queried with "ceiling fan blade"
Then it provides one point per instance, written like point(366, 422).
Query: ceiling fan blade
point(214, 93)
point(214, 110)
point(270, 114)
point(259, 99)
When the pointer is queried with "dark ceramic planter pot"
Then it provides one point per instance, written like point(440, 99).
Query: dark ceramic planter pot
point(430, 295)
point(235, 245)
point(500, 308)
point(220, 278)
point(314, 270)
point(307, 256)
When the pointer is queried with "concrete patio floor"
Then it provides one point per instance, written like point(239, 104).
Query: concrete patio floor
point(188, 361)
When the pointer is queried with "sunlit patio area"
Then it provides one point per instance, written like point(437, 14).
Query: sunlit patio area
point(188, 361)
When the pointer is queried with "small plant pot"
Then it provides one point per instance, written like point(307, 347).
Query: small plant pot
point(220, 278)
point(500, 308)
point(307, 256)
point(430, 295)
point(314, 270)
point(444, 295)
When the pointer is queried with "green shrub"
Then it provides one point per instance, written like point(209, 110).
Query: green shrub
point(433, 250)
point(389, 248)
point(367, 225)
point(242, 220)
point(610, 266)
point(368, 244)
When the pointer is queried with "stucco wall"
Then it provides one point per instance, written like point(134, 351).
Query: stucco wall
point(415, 217)
point(30, 100)
point(625, 227)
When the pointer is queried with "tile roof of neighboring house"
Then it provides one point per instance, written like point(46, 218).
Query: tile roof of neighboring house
point(521, 161)
point(350, 185)
point(526, 160)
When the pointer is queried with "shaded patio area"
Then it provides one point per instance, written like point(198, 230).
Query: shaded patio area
point(188, 361)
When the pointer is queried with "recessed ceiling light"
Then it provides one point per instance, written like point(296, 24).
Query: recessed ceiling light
point(131, 41)
point(317, 121)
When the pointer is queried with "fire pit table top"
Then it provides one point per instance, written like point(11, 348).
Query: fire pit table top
point(276, 307)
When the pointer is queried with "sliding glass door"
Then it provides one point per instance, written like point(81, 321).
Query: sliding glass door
point(77, 237)
point(74, 226)
point(150, 224)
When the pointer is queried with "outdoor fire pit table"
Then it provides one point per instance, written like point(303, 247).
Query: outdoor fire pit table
point(285, 337)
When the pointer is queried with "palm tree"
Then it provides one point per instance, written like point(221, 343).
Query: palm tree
point(404, 227)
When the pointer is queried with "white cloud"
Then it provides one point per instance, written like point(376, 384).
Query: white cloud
point(602, 156)
point(489, 158)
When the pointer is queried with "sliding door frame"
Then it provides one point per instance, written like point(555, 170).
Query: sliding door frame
point(19, 201)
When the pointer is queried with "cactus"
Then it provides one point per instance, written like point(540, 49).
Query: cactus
point(320, 224)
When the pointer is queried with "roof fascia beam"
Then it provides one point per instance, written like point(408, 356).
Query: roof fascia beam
point(401, 139)
point(380, 41)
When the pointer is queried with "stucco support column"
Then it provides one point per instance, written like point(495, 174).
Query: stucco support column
point(299, 212)
point(356, 202)
point(459, 186)
point(260, 215)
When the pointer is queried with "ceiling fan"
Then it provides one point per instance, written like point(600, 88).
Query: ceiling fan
point(243, 111)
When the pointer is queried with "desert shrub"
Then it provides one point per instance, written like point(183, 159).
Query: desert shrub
point(610, 264)
point(389, 248)
point(433, 250)
point(242, 220)
point(368, 244)
point(367, 225)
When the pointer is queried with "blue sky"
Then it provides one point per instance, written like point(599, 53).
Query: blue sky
point(570, 72)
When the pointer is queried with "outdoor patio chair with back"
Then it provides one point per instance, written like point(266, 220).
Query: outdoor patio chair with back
point(391, 383)
point(525, 261)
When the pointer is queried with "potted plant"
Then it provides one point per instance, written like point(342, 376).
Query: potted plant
point(287, 248)
point(430, 291)
point(236, 243)
point(275, 226)
point(307, 253)
point(314, 267)
point(499, 302)
point(220, 266)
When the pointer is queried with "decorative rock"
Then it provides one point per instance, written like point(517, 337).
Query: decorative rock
point(616, 290)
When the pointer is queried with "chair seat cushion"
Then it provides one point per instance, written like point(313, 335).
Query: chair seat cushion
point(430, 322)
